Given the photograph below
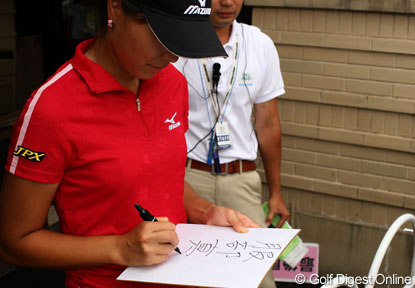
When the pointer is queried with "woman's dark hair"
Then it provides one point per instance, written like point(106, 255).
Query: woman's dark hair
point(101, 14)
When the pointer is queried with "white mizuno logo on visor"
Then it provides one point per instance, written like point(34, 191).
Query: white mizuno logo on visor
point(194, 9)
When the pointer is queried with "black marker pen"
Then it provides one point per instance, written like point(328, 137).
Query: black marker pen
point(146, 216)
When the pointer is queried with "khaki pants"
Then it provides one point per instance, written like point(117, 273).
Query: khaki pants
point(239, 191)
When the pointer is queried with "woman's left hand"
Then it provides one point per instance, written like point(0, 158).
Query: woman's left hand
point(222, 216)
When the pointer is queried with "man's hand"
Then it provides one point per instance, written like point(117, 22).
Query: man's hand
point(277, 206)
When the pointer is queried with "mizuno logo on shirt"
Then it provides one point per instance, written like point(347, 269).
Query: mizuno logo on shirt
point(29, 154)
point(172, 122)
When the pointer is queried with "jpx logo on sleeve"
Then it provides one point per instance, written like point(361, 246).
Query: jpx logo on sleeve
point(29, 154)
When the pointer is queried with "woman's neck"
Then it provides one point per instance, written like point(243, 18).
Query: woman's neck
point(102, 54)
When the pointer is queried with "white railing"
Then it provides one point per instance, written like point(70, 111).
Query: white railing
point(380, 254)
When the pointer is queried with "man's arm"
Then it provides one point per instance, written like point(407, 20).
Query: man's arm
point(268, 129)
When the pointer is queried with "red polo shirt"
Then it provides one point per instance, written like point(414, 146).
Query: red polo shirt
point(82, 129)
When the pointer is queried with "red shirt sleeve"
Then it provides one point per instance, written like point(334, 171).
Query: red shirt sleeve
point(39, 149)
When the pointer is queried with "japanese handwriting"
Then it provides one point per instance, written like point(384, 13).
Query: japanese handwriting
point(204, 248)
point(244, 250)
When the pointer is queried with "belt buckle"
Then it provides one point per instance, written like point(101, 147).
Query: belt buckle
point(222, 173)
point(226, 169)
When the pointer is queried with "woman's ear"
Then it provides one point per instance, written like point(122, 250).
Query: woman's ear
point(114, 8)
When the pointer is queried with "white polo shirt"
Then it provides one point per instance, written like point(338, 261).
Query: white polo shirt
point(257, 80)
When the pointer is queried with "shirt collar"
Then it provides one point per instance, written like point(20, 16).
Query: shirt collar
point(229, 46)
point(96, 77)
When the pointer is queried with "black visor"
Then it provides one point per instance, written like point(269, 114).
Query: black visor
point(183, 26)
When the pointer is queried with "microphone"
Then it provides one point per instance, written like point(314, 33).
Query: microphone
point(216, 76)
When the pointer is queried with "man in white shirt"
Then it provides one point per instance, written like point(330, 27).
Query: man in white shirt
point(222, 139)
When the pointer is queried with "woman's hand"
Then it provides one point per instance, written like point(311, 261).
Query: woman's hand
point(148, 243)
point(201, 211)
point(222, 216)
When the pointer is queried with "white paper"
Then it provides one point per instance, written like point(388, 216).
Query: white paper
point(214, 256)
